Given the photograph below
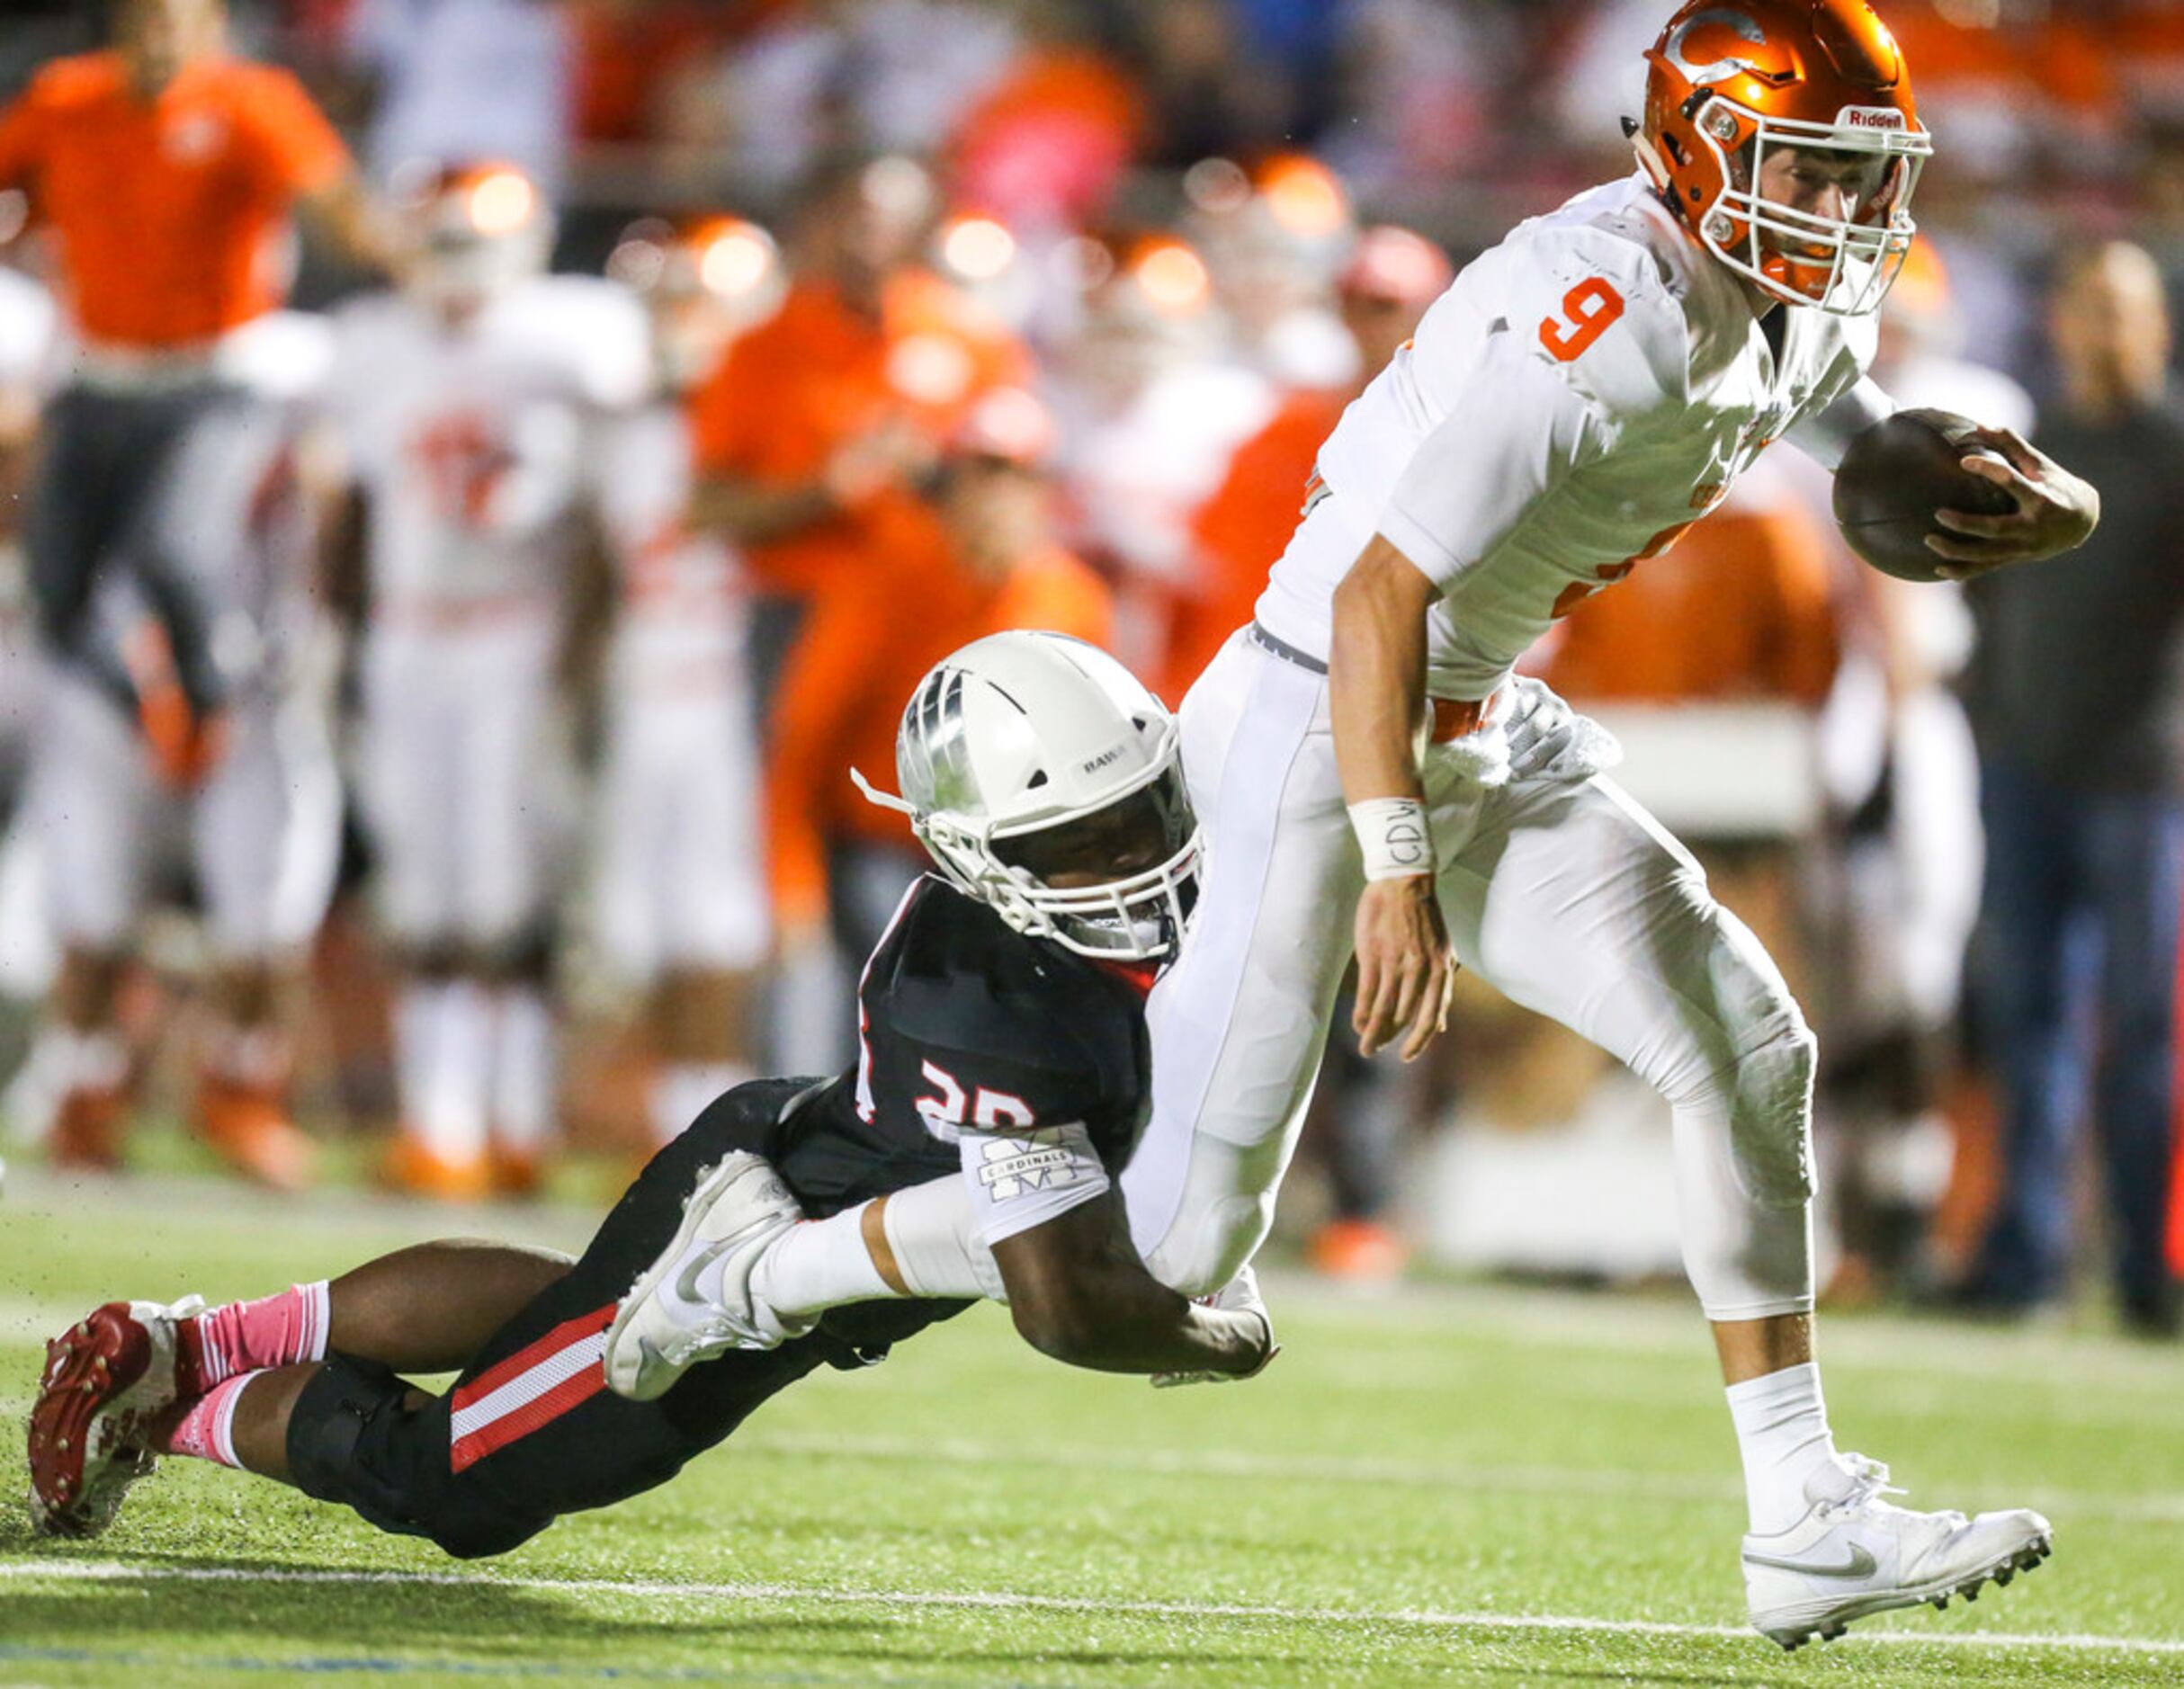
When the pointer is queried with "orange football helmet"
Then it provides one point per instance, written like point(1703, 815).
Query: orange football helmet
point(704, 281)
point(1730, 83)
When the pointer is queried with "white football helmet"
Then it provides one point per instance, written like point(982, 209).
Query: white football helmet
point(475, 231)
point(1026, 758)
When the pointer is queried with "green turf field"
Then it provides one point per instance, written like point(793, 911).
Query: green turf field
point(1449, 1486)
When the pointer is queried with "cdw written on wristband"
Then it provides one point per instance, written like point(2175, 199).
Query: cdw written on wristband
point(1394, 836)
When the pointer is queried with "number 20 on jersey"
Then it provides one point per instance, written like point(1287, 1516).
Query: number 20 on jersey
point(1589, 310)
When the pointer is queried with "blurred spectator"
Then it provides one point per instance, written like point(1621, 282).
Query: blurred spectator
point(879, 75)
point(679, 888)
point(456, 80)
point(1045, 146)
point(1205, 91)
point(168, 172)
point(2007, 83)
point(1420, 83)
point(467, 404)
point(2075, 697)
point(1150, 409)
point(1902, 887)
point(980, 559)
point(628, 51)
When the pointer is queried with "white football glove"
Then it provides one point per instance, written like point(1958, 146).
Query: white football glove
point(1240, 1295)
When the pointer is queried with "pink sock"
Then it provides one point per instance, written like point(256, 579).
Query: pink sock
point(249, 1337)
point(206, 1433)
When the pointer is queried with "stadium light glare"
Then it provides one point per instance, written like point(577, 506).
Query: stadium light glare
point(978, 248)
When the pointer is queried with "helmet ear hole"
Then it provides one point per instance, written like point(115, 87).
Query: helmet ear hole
point(1037, 780)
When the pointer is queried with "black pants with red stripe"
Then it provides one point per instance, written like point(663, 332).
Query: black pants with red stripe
point(530, 1430)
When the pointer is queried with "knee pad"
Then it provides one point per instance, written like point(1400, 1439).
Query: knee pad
point(1209, 1241)
point(354, 1439)
point(1770, 1113)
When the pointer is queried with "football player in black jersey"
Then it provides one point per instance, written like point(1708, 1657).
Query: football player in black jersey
point(1002, 1034)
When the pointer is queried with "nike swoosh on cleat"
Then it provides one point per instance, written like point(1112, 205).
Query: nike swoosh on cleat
point(1861, 1564)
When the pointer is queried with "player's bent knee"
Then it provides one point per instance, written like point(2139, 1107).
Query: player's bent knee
point(1771, 1111)
point(1205, 1248)
point(356, 1438)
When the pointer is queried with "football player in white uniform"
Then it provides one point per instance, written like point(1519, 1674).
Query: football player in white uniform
point(1582, 394)
point(468, 409)
point(680, 890)
point(258, 823)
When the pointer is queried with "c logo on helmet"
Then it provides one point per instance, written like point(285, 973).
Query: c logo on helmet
point(1718, 65)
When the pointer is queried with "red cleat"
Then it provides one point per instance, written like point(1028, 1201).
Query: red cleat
point(106, 1379)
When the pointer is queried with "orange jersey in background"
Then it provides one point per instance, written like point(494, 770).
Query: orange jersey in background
point(816, 375)
point(168, 212)
point(860, 656)
point(1241, 531)
point(1741, 609)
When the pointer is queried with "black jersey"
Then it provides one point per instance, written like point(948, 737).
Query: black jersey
point(963, 1022)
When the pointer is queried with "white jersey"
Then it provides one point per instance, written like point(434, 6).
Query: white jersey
point(472, 442)
point(1580, 396)
point(679, 633)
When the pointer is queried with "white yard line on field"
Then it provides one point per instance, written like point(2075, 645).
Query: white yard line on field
point(2153, 1508)
point(116, 1571)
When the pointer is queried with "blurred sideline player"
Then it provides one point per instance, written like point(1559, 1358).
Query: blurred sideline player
point(679, 881)
point(1274, 239)
point(1581, 395)
point(167, 173)
point(815, 429)
point(1003, 1054)
point(258, 829)
point(981, 558)
point(30, 339)
point(1903, 765)
point(467, 406)
point(1391, 275)
point(1363, 1108)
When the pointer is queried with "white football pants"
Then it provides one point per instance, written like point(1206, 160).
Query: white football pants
point(262, 835)
point(464, 787)
point(1558, 889)
point(678, 875)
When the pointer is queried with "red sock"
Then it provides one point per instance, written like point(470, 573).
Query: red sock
point(249, 1337)
point(206, 1433)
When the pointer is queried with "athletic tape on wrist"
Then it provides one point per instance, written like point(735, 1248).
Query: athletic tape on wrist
point(1395, 837)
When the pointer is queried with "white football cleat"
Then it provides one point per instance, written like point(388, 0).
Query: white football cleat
point(106, 1378)
point(1854, 1555)
point(694, 1301)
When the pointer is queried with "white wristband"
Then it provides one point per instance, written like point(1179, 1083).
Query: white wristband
point(1395, 837)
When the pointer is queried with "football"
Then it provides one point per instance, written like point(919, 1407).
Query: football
point(1893, 479)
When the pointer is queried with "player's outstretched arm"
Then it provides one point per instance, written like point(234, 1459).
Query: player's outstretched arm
point(1377, 674)
point(2056, 511)
point(1079, 1294)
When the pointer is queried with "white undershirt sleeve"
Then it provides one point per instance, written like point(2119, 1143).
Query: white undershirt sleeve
point(1512, 432)
point(1825, 437)
point(1023, 1179)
